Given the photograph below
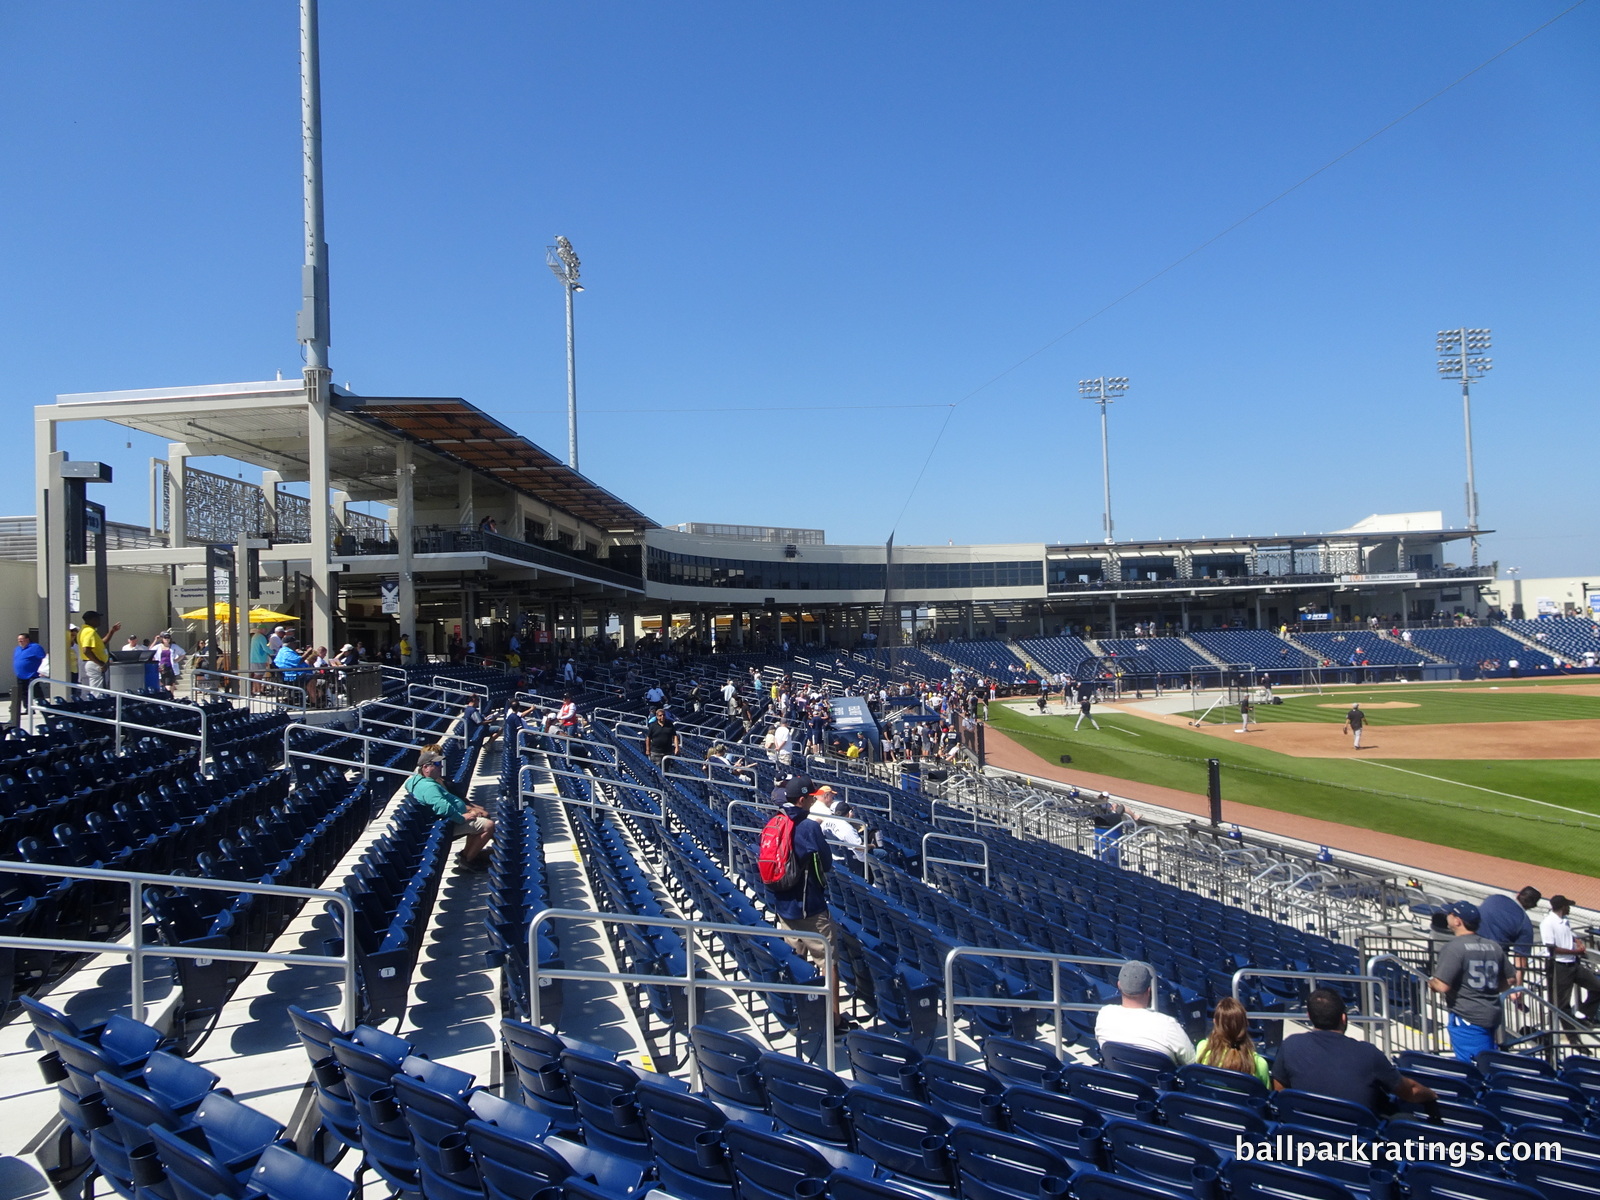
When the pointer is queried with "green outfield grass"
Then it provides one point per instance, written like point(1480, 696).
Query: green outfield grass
point(1435, 706)
point(1510, 809)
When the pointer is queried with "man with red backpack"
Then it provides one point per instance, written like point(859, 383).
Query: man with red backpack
point(794, 863)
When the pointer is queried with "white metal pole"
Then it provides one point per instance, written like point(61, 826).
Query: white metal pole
point(1105, 465)
point(1472, 487)
point(572, 386)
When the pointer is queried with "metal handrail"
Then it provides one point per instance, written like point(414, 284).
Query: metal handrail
point(569, 738)
point(138, 949)
point(524, 790)
point(692, 980)
point(1573, 1025)
point(466, 685)
point(369, 719)
point(544, 703)
point(1056, 1004)
point(962, 817)
point(413, 688)
point(1381, 1020)
point(705, 777)
point(955, 862)
point(260, 680)
point(203, 737)
point(367, 740)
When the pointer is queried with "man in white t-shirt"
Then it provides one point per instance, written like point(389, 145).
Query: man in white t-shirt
point(1134, 1023)
point(1569, 970)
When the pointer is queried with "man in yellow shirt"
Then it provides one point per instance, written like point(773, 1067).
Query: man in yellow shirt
point(92, 650)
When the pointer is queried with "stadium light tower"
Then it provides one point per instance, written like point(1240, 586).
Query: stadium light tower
point(1461, 356)
point(563, 262)
point(1103, 391)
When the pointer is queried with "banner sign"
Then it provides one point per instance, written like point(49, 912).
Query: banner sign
point(1388, 577)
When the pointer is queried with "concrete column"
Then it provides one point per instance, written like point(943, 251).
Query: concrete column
point(405, 514)
point(269, 494)
point(51, 558)
point(322, 579)
point(736, 627)
point(630, 627)
point(177, 460)
point(341, 511)
point(1113, 619)
point(464, 511)
point(967, 610)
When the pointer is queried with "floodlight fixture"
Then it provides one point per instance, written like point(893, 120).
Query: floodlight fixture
point(1104, 391)
point(1463, 357)
point(564, 264)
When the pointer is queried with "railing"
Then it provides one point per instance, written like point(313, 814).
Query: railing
point(692, 980)
point(962, 816)
point(1380, 1019)
point(203, 737)
point(703, 775)
point(1056, 1004)
point(449, 682)
point(1422, 1001)
point(261, 685)
point(138, 949)
point(369, 719)
point(367, 741)
point(526, 788)
point(955, 862)
point(445, 692)
point(526, 733)
point(1564, 1023)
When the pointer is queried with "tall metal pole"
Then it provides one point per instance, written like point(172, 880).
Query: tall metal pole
point(1103, 391)
point(572, 387)
point(1462, 355)
point(313, 326)
point(1105, 468)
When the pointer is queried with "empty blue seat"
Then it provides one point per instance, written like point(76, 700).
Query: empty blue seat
point(885, 1062)
point(536, 1056)
point(1490, 1061)
point(901, 1135)
point(1429, 1182)
point(685, 1133)
point(1102, 1185)
point(1067, 1125)
point(1270, 1181)
point(991, 1165)
point(769, 1166)
point(960, 1092)
point(808, 1099)
point(1339, 1118)
point(1219, 1123)
point(1016, 1061)
point(281, 1174)
point(728, 1066)
point(604, 1089)
point(1147, 1066)
point(1232, 1087)
point(1162, 1156)
point(1114, 1094)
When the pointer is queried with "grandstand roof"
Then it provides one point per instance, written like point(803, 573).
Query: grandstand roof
point(1274, 539)
point(456, 429)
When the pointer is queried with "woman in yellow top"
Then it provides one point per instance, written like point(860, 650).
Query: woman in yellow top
point(1229, 1046)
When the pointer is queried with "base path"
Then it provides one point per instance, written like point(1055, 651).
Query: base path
point(1478, 739)
point(1502, 873)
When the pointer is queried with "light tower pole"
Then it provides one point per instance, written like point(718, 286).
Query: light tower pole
point(1461, 357)
point(563, 262)
point(1103, 391)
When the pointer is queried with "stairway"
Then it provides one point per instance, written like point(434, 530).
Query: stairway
point(1413, 648)
point(1536, 644)
point(1202, 651)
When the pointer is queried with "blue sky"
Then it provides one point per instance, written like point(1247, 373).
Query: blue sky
point(837, 220)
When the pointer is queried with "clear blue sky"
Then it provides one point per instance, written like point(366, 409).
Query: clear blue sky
point(838, 219)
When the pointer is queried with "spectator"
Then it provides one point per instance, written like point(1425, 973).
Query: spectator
point(655, 695)
point(1228, 1047)
point(1134, 1023)
point(661, 738)
point(1471, 973)
point(805, 907)
point(1329, 1063)
point(1505, 920)
point(830, 812)
point(1567, 965)
point(426, 787)
point(92, 653)
point(472, 719)
point(287, 663)
point(720, 756)
point(25, 660)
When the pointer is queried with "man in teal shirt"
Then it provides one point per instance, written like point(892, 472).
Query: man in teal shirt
point(427, 788)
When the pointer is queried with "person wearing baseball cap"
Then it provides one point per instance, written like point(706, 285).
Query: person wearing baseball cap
point(1132, 1022)
point(1471, 973)
point(427, 788)
point(1568, 961)
point(804, 907)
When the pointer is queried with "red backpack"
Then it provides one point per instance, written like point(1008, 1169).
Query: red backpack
point(779, 868)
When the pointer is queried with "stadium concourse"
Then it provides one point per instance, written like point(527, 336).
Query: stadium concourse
point(610, 1010)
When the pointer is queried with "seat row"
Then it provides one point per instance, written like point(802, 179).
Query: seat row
point(156, 1126)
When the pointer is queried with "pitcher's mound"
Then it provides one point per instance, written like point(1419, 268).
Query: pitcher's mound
point(1385, 704)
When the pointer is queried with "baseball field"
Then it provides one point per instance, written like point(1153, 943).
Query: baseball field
point(1510, 770)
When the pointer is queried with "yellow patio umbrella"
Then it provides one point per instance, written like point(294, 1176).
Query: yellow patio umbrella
point(224, 611)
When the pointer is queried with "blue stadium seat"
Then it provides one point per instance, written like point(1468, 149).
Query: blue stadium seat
point(991, 1165)
point(1429, 1182)
point(1269, 1181)
point(901, 1135)
point(728, 1066)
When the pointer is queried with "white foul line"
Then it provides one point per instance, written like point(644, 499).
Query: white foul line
point(1508, 795)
